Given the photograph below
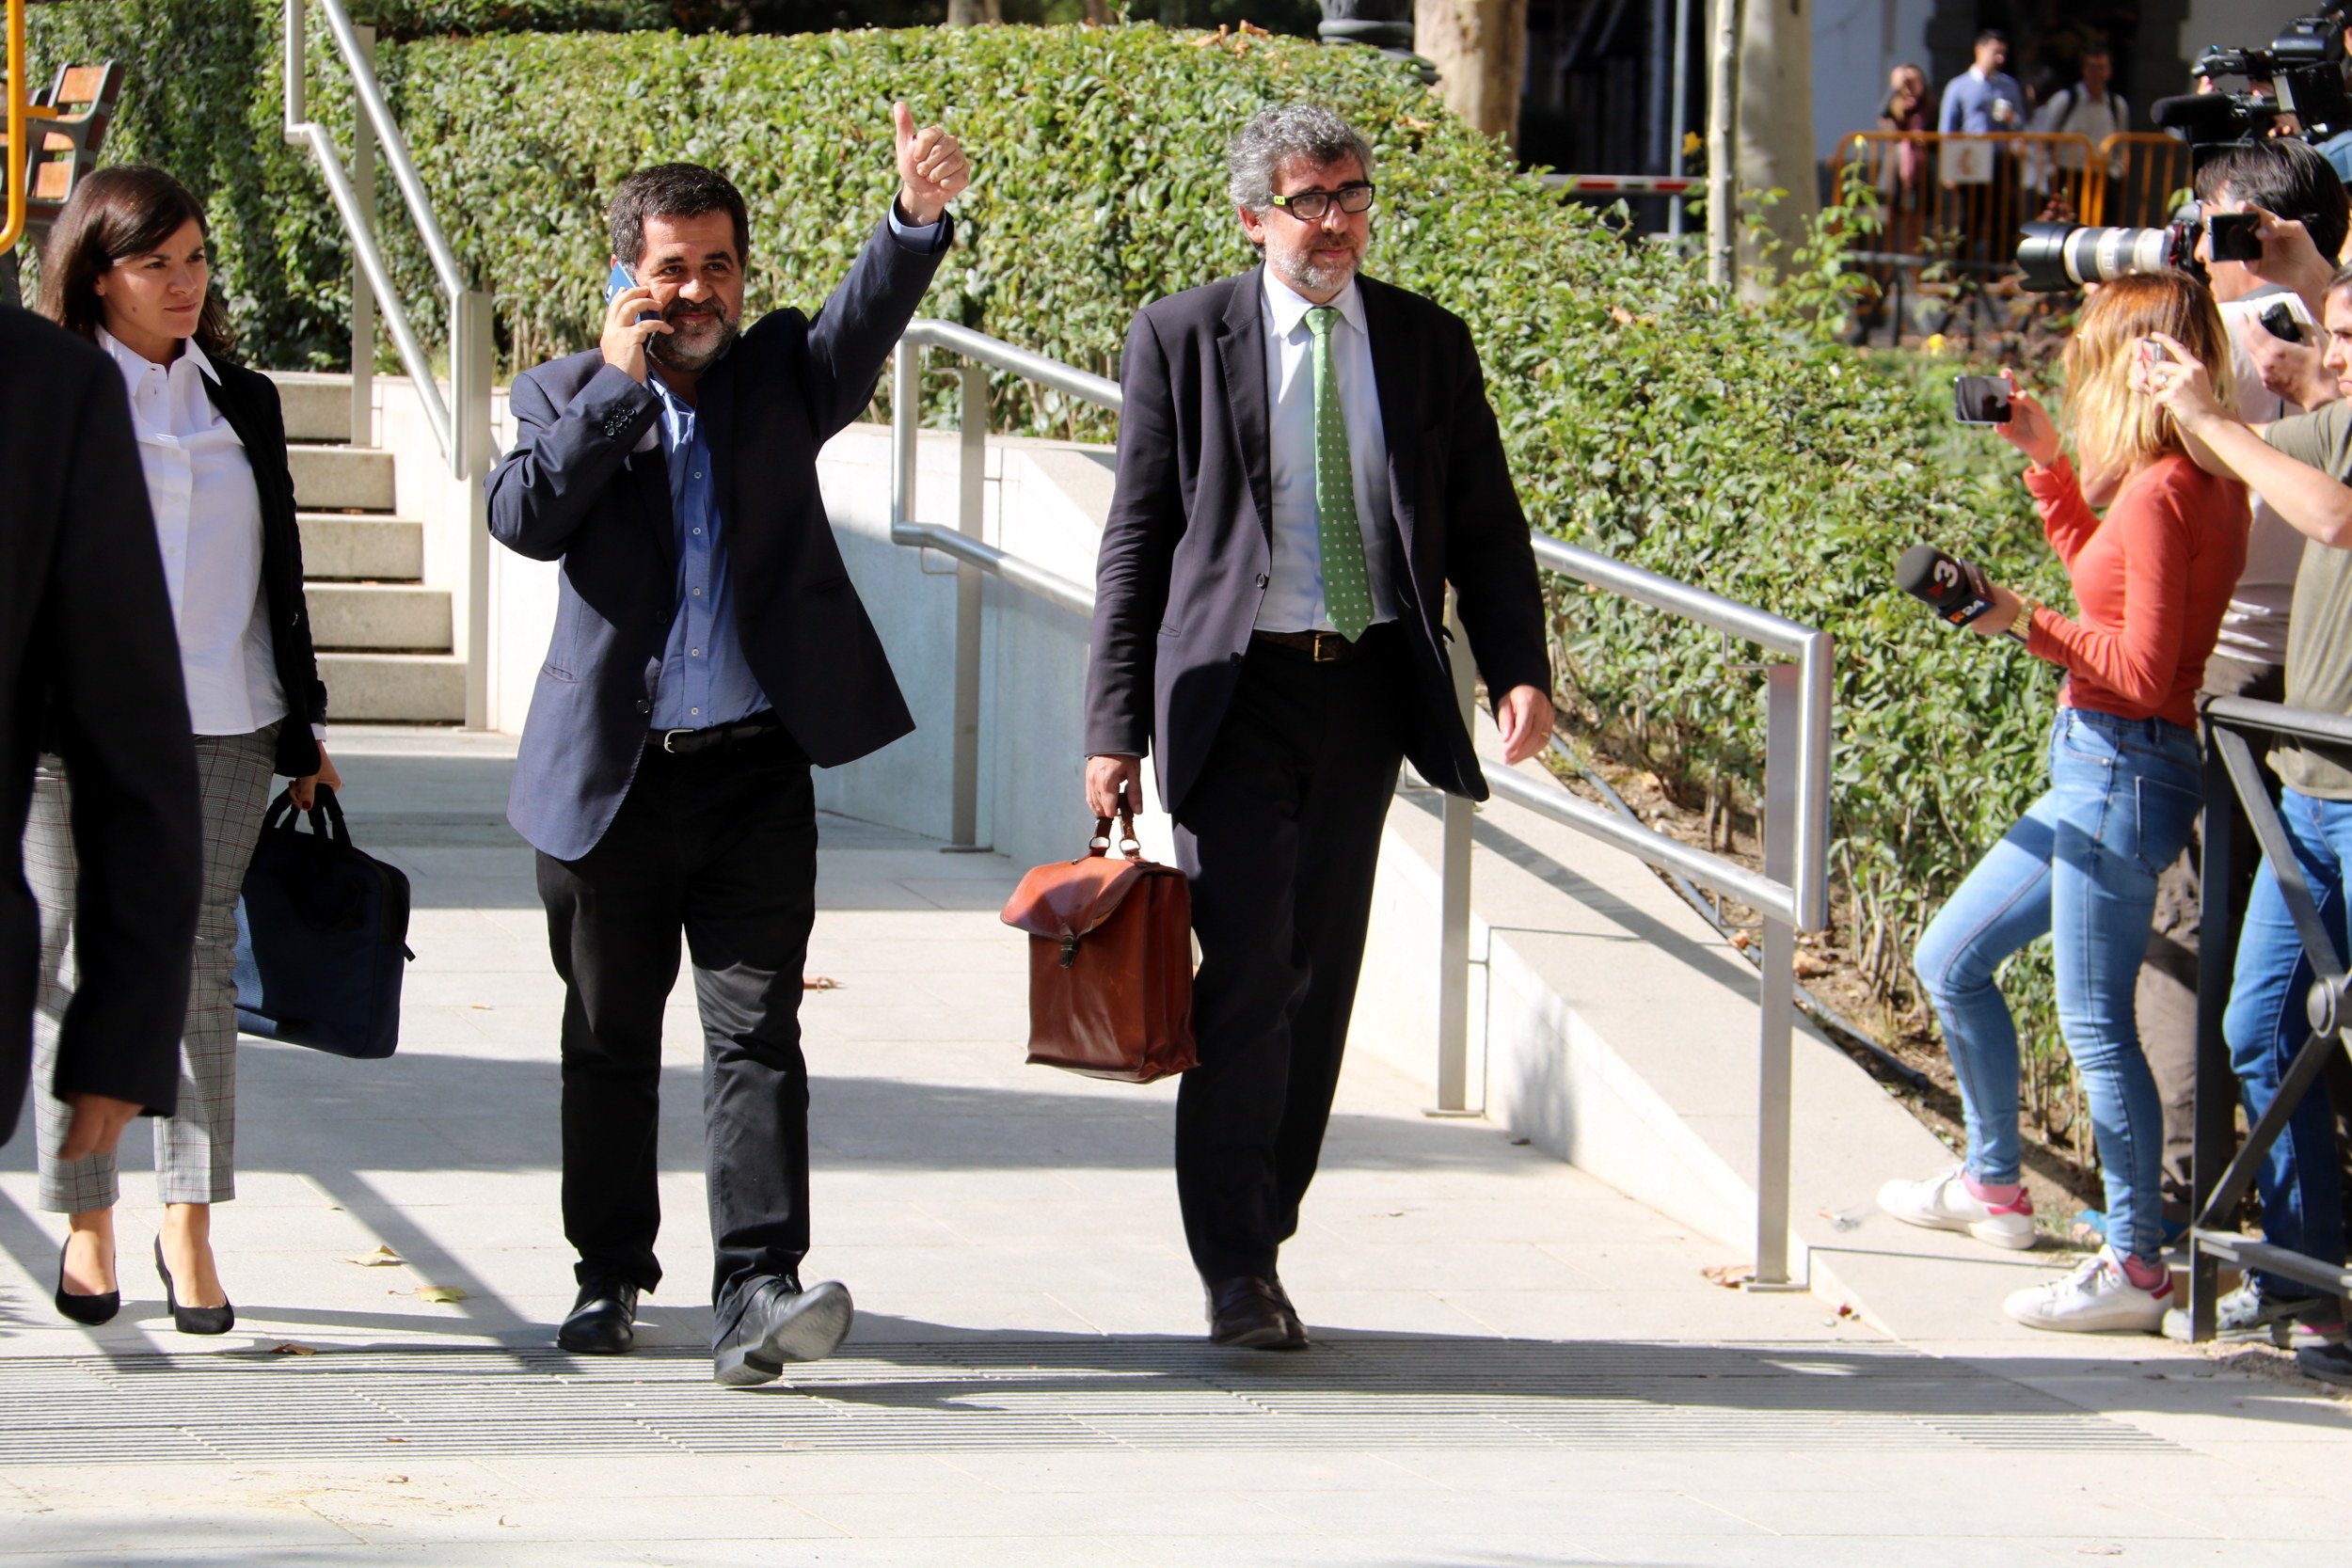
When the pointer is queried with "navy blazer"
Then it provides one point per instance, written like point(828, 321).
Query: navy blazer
point(574, 489)
point(88, 656)
point(1188, 544)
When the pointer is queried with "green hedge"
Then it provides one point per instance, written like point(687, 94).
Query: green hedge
point(1728, 445)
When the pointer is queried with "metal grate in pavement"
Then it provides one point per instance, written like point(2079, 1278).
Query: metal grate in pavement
point(1013, 1393)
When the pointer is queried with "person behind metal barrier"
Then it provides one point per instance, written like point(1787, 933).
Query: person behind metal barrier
point(2153, 578)
point(126, 268)
point(1983, 100)
point(2292, 180)
point(1908, 109)
point(1306, 460)
point(708, 648)
point(2303, 466)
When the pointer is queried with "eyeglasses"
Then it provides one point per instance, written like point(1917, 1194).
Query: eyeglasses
point(1309, 206)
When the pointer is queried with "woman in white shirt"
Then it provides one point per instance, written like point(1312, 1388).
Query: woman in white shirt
point(126, 268)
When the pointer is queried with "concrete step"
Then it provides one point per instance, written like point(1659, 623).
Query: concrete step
point(338, 545)
point(341, 479)
point(411, 688)
point(375, 615)
point(317, 404)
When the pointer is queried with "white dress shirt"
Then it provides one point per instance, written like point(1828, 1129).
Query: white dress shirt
point(1293, 599)
point(207, 523)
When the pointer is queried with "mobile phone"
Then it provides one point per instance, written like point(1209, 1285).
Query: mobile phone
point(1980, 400)
point(621, 277)
point(2233, 236)
point(2152, 352)
point(2280, 323)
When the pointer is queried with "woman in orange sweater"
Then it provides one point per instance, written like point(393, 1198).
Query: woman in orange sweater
point(2152, 577)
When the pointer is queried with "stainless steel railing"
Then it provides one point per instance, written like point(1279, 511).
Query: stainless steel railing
point(1792, 894)
point(463, 433)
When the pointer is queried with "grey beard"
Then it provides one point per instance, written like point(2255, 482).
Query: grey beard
point(1311, 276)
point(663, 349)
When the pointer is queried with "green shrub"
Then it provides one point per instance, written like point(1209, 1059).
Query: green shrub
point(1725, 444)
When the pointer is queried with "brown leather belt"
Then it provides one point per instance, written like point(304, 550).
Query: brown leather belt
point(1323, 647)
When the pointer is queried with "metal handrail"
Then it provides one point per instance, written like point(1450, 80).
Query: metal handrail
point(463, 434)
point(1792, 894)
point(358, 224)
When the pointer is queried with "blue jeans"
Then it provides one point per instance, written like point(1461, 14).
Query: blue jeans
point(2081, 864)
point(2301, 1191)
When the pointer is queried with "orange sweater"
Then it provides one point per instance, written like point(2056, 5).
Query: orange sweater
point(2153, 579)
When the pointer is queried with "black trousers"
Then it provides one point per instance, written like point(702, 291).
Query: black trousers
point(723, 846)
point(1280, 838)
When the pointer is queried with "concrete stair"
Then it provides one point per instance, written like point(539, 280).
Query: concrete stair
point(385, 638)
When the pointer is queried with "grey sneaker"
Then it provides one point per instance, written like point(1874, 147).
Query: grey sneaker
point(2248, 1313)
point(2327, 1363)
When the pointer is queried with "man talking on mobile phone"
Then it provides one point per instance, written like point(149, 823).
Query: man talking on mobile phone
point(708, 649)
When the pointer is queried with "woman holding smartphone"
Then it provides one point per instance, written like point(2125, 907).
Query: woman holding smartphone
point(2153, 578)
point(126, 268)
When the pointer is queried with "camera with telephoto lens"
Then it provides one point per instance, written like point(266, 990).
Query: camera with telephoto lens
point(2305, 67)
point(2058, 256)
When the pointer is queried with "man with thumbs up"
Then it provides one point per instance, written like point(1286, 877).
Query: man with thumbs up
point(708, 649)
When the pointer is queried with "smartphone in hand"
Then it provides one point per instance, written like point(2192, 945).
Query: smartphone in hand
point(621, 277)
point(2233, 237)
point(1980, 400)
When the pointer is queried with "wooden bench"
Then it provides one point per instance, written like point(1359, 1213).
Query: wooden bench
point(72, 115)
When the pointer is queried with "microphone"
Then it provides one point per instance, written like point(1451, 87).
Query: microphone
point(1957, 591)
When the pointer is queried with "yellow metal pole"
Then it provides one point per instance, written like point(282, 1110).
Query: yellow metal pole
point(19, 163)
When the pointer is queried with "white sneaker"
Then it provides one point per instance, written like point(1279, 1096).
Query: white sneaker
point(2095, 1299)
point(1945, 1203)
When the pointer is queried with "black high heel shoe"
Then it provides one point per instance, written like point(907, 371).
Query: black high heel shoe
point(89, 1312)
point(193, 1320)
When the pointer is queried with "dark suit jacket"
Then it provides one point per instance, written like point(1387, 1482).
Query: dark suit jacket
point(248, 401)
point(1189, 541)
point(87, 634)
point(573, 490)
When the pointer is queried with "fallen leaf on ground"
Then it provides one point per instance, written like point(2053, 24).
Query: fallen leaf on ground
point(397, 1480)
point(1811, 968)
point(1742, 941)
point(382, 1258)
point(440, 1293)
point(289, 1348)
point(1729, 1275)
point(820, 982)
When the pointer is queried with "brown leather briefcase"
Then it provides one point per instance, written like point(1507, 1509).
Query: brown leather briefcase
point(1110, 961)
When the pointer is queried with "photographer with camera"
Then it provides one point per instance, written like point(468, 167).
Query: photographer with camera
point(2299, 203)
point(2153, 579)
point(2301, 463)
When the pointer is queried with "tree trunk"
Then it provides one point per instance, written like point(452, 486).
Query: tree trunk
point(1775, 127)
point(1479, 50)
point(969, 13)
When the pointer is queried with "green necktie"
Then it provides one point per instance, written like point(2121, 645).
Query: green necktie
point(1346, 592)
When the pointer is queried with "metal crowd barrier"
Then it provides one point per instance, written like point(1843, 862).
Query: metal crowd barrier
point(2219, 1179)
point(1955, 202)
point(1792, 894)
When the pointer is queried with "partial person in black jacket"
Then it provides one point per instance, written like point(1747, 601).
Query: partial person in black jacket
point(709, 647)
point(126, 268)
point(89, 664)
point(1306, 461)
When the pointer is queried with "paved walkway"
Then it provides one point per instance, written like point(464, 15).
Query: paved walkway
point(1517, 1366)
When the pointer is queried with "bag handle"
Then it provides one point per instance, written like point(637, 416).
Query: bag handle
point(1129, 846)
point(326, 814)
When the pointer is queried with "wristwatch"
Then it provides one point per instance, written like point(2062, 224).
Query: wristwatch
point(2022, 628)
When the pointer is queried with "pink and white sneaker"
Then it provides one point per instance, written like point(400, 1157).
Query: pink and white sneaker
point(2097, 1298)
point(1945, 1203)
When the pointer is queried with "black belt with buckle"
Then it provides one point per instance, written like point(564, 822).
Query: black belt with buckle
point(1323, 647)
point(718, 737)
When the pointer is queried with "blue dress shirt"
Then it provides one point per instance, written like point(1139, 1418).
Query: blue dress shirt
point(1968, 103)
point(705, 679)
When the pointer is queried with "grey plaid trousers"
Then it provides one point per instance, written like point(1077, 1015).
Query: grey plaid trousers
point(195, 1147)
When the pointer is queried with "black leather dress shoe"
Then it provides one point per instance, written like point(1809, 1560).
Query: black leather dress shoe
point(603, 1321)
point(776, 1322)
point(1253, 1313)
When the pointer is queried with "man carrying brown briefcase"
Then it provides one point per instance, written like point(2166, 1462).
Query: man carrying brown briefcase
point(1306, 460)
